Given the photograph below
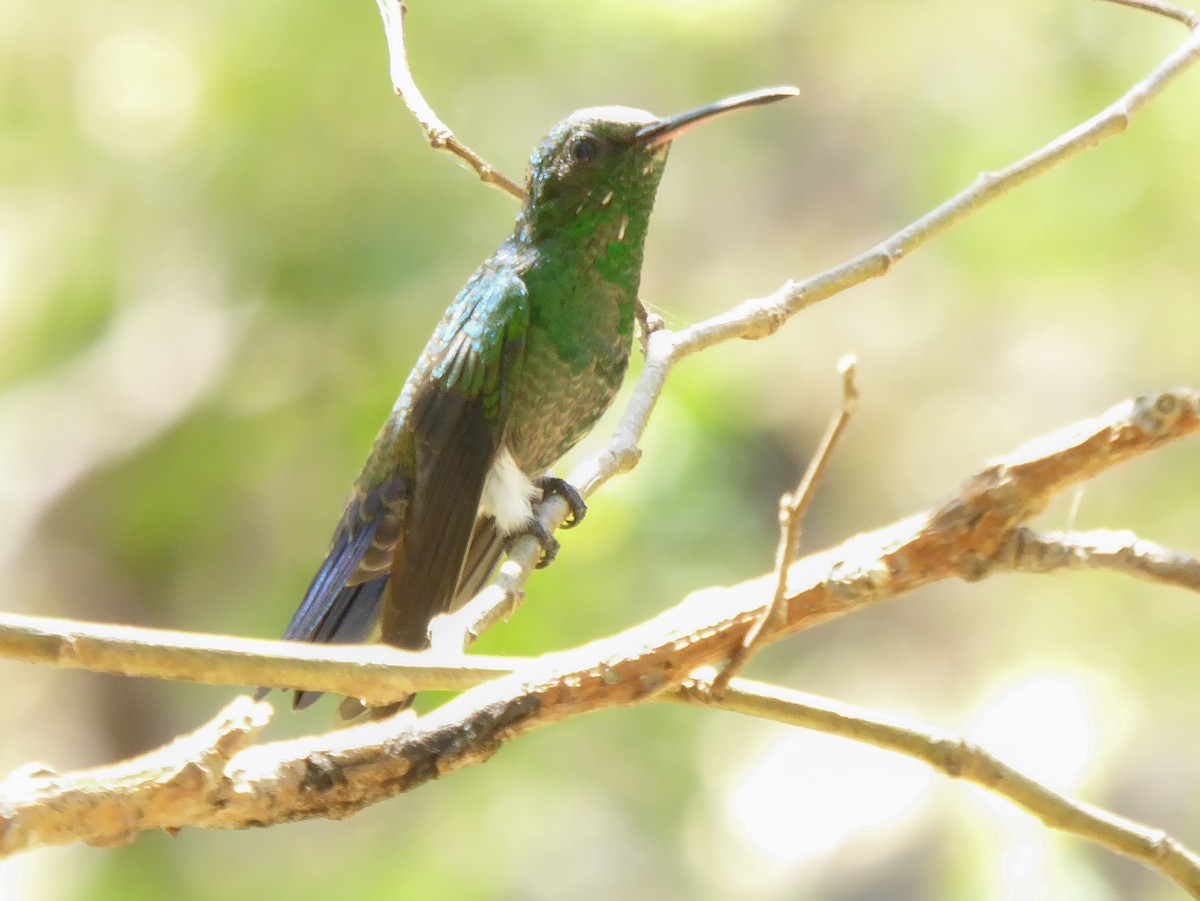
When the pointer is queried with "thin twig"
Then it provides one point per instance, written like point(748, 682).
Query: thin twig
point(761, 317)
point(1170, 10)
point(955, 757)
point(436, 131)
point(792, 508)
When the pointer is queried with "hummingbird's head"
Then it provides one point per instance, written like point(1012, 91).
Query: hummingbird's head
point(590, 165)
point(603, 165)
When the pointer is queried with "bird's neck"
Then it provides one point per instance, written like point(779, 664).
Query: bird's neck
point(600, 243)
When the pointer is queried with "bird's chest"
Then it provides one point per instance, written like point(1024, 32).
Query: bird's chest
point(574, 360)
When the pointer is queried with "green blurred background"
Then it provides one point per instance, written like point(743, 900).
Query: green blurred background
point(223, 242)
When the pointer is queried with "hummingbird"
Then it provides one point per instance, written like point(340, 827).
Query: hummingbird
point(519, 368)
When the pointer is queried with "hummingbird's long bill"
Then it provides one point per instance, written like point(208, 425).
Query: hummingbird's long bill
point(658, 133)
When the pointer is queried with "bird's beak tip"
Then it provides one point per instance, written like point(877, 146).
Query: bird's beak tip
point(663, 131)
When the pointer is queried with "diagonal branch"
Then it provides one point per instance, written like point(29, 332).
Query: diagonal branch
point(762, 317)
point(959, 759)
point(792, 508)
point(436, 131)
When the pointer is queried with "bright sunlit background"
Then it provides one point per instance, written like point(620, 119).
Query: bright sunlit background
point(223, 242)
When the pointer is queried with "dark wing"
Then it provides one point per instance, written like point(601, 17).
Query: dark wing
point(326, 614)
point(455, 448)
point(458, 418)
point(342, 602)
point(483, 555)
point(348, 620)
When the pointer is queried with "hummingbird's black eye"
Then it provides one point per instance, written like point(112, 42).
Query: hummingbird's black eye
point(584, 150)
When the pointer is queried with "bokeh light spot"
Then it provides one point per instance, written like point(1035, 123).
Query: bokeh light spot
point(136, 93)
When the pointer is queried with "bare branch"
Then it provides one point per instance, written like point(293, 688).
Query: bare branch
point(1170, 10)
point(106, 806)
point(377, 673)
point(436, 131)
point(762, 317)
point(1123, 552)
point(792, 508)
point(957, 758)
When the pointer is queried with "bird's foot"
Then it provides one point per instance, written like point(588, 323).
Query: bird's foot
point(536, 530)
point(552, 485)
point(549, 485)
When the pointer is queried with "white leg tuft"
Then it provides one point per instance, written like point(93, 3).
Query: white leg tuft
point(507, 494)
